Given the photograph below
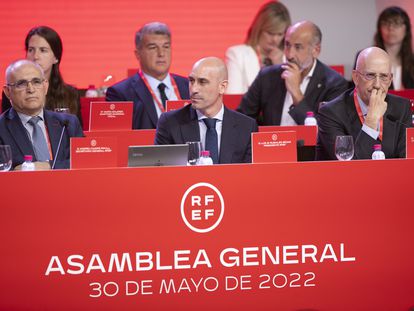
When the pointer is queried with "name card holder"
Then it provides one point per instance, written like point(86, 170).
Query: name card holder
point(110, 116)
point(276, 146)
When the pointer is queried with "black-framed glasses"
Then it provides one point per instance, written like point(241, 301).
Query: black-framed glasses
point(24, 84)
point(370, 76)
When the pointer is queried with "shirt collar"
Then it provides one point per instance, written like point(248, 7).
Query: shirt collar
point(25, 118)
point(218, 116)
point(153, 82)
point(364, 107)
point(310, 73)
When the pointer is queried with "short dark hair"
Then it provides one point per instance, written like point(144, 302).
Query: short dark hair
point(152, 28)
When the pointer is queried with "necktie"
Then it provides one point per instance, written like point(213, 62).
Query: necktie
point(39, 141)
point(211, 139)
point(161, 88)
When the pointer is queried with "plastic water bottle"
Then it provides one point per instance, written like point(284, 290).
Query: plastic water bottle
point(205, 158)
point(91, 91)
point(28, 165)
point(310, 119)
point(378, 154)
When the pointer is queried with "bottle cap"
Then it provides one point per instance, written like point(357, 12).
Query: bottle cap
point(91, 87)
point(310, 114)
point(377, 147)
point(28, 157)
point(205, 153)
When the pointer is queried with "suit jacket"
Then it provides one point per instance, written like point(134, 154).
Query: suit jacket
point(180, 126)
point(339, 117)
point(266, 95)
point(243, 67)
point(134, 89)
point(13, 133)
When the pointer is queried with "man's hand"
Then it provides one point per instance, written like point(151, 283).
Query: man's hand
point(293, 78)
point(376, 108)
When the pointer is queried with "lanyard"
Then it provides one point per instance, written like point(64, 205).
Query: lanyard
point(174, 84)
point(361, 116)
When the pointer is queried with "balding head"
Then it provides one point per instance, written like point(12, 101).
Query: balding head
point(19, 63)
point(373, 71)
point(309, 29)
point(208, 82)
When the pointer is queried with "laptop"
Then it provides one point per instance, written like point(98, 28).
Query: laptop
point(157, 155)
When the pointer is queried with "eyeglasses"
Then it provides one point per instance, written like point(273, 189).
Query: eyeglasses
point(24, 84)
point(371, 76)
point(392, 23)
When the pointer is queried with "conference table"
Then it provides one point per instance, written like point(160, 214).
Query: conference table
point(275, 236)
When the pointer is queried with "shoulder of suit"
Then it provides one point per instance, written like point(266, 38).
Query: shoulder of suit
point(239, 116)
point(126, 82)
point(179, 78)
point(339, 100)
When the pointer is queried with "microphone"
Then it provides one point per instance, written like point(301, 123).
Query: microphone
point(394, 119)
point(65, 123)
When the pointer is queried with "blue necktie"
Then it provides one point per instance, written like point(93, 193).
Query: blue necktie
point(211, 139)
point(38, 140)
point(164, 98)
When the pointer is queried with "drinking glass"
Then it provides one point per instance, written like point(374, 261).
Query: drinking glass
point(62, 109)
point(194, 152)
point(5, 158)
point(344, 148)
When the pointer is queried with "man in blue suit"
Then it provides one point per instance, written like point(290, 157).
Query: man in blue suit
point(153, 85)
point(225, 133)
point(27, 127)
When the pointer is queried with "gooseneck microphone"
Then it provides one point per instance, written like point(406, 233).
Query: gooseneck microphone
point(65, 123)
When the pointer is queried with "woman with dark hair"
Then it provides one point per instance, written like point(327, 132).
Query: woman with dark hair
point(394, 36)
point(44, 46)
point(263, 46)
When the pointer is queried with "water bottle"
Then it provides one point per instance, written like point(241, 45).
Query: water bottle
point(91, 91)
point(378, 154)
point(310, 119)
point(28, 165)
point(205, 158)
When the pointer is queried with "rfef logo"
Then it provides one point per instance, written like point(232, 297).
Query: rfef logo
point(202, 207)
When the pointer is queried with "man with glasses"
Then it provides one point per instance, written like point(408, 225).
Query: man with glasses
point(367, 112)
point(283, 94)
point(153, 85)
point(27, 127)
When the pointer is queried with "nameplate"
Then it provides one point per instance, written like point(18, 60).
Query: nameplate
point(93, 152)
point(308, 134)
point(276, 146)
point(171, 105)
point(110, 116)
point(410, 143)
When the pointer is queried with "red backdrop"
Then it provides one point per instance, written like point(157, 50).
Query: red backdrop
point(98, 36)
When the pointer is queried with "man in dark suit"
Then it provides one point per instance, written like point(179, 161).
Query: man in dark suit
point(367, 113)
point(27, 127)
point(225, 133)
point(282, 94)
point(153, 85)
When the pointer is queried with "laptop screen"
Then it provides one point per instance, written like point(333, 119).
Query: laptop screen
point(157, 155)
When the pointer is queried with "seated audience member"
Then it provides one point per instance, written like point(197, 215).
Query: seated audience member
point(394, 36)
point(225, 133)
point(44, 47)
point(153, 85)
point(263, 47)
point(30, 129)
point(282, 94)
point(367, 113)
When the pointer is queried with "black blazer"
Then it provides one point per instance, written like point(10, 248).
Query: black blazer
point(339, 117)
point(180, 126)
point(134, 89)
point(13, 133)
point(267, 93)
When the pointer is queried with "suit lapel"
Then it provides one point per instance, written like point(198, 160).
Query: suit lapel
point(229, 136)
point(316, 83)
point(54, 129)
point(355, 123)
point(389, 131)
point(19, 133)
point(279, 98)
point(190, 130)
point(142, 92)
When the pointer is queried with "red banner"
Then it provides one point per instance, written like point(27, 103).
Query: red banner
point(282, 236)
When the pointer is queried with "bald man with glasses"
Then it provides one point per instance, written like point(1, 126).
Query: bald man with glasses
point(368, 113)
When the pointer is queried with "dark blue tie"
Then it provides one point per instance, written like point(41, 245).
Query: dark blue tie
point(211, 139)
point(164, 98)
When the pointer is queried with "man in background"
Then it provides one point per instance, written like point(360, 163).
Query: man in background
point(367, 113)
point(225, 133)
point(153, 85)
point(282, 94)
point(27, 127)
